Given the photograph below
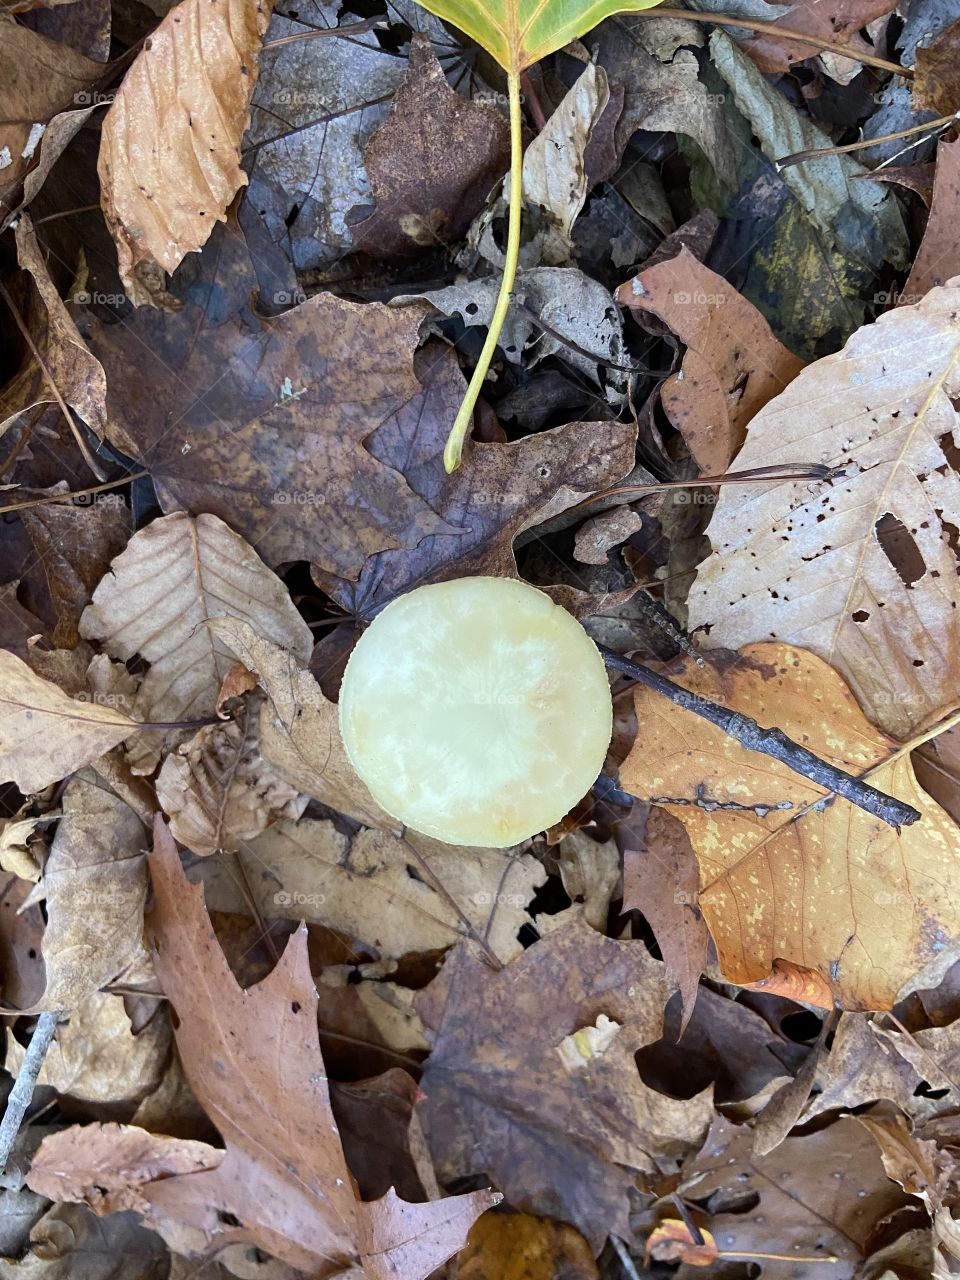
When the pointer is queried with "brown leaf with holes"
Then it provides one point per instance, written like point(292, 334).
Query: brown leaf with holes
point(431, 163)
point(865, 562)
point(170, 148)
point(780, 879)
point(532, 1079)
point(282, 1184)
point(732, 364)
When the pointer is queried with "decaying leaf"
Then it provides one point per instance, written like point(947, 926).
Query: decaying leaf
point(430, 164)
point(44, 733)
point(170, 149)
point(782, 878)
point(499, 1099)
point(282, 1184)
point(398, 895)
point(172, 578)
point(299, 728)
point(515, 1246)
point(937, 259)
point(217, 790)
point(732, 364)
point(862, 564)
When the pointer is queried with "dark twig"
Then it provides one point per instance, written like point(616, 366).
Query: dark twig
point(23, 1086)
point(770, 742)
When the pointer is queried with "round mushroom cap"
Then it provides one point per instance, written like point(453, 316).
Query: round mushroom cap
point(477, 711)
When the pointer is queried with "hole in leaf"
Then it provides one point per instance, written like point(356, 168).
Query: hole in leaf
point(900, 549)
point(861, 615)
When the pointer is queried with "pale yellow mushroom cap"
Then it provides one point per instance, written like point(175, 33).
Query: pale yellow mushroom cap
point(476, 711)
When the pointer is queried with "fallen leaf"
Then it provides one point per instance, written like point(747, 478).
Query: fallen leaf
point(299, 727)
point(170, 146)
point(874, 545)
point(430, 164)
point(499, 1100)
point(515, 1246)
point(936, 85)
point(661, 879)
point(95, 886)
point(937, 259)
point(173, 577)
point(815, 1200)
point(398, 895)
point(837, 21)
point(217, 790)
point(672, 1242)
point(44, 733)
point(782, 879)
point(282, 1184)
point(21, 931)
point(863, 1067)
point(732, 364)
point(276, 445)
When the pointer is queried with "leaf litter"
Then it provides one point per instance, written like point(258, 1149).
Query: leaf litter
point(705, 1025)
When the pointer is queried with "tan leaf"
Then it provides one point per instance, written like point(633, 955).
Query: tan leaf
point(95, 885)
point(172, 577)
point(863, 564)
point(780, 879)
point(44, 733)
point(170, 147)
point(732, 364)
point(377, 889)
point(938, 258)
point(218, 791)
point(299, 729)
point(283, 1183)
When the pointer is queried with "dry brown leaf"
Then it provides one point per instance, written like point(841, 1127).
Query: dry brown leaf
point(170, 146)
point(864, 564)
point(938, 258)
point(397, 895)
point(21, 931)
point(514, 1246)
point(44, 733)
point(732, 365)
point(299, 728)
point(283, 1184)
point(814, 1198)
point(936, 85)
point(78, 375)
point(838, 21)
point(173, 576)
point(217, 790)
point(97, 1060)
point(500, 1101)
point(95, 885)
point(430, 164)
point(779, 879)
point(862, 1067)
point(38, 78)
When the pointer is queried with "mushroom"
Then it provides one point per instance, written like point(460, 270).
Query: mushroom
point(477, 711)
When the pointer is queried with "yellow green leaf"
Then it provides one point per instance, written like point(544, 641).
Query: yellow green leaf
point(520, 32)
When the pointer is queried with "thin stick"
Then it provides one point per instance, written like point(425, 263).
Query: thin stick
point(770, 742)
point(755, 475)
point(781, 33)
point(461, 425)
point(354, 29)
point(74, 493)
point(22, 1091)
point(816, 153)
point(625, 1260)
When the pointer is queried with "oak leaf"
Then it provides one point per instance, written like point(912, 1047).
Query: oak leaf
point(170, 147)
point(172, 577)
point(863, 563)
point(783, 878)
point(46, 734)
point(282, 1184)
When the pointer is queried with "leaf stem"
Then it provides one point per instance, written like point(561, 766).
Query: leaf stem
point(461, 425)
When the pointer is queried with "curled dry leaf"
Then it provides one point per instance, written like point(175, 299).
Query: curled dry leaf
point(174, 576)
point(864, 563)
point(170, 147)
point(399, 895)
point(282, 1184)
point(44, 733)
point(218, 791)
point(500, 1101)
point(732, 364)
point(299, 727)
point(781, 879)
